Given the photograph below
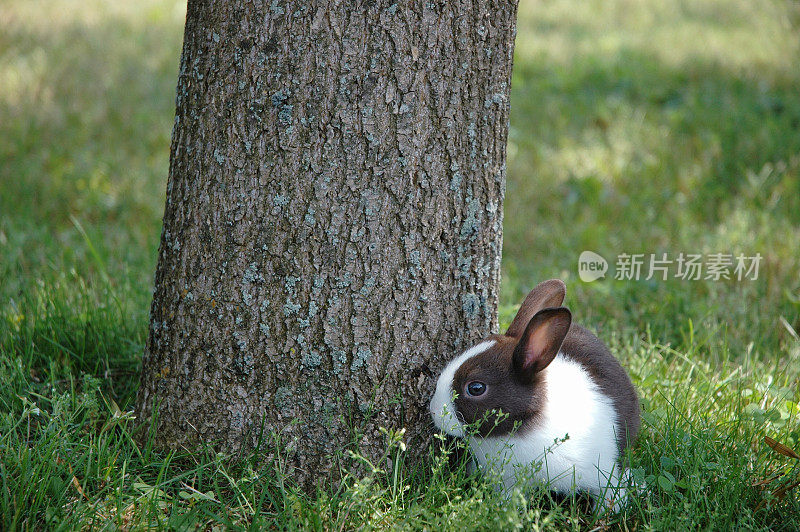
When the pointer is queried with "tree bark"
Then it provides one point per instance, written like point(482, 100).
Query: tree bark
point(333, 221)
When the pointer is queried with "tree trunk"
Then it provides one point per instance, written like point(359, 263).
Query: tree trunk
point(333, 221)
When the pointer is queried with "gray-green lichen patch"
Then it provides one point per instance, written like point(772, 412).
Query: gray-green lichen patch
point(246, 362)
point(357, 234)
point(455, 182)
point(301, 342)
point(496, 99)
point(470, 305)
point(280, 102)
point(279, 200)
point(284, 400)
point(345, 280)
point(363, 353)
point(171, 243)
point(416, 263)
point(276, 8)
point(473, 141)
point(291, 285)
point(471, 225)
point(251, 276)
point(278, 99)
point(309, 219)
point(464, 264)
point(370, 201)
point(366, 288)
point(311, 359)
point(339, 361)
point(333, 235)
point(241, 340)
point(290, 307)
point(285, 114)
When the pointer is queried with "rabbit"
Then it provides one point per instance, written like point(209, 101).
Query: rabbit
point(546, 402)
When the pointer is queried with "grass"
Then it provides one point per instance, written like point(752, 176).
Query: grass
point(637, 127)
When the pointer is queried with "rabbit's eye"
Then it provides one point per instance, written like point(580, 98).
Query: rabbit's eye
point(476, 388)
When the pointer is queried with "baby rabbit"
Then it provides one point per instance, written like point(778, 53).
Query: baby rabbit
point(546, 402)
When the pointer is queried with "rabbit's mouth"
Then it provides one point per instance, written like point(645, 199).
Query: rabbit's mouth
point(447, 418)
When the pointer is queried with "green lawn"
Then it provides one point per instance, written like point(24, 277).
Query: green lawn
point(636, 127)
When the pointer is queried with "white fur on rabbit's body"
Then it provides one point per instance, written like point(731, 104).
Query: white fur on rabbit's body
point(572, 448)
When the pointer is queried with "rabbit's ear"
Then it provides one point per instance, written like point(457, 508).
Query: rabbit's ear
point(540, 342)
point(547, 294)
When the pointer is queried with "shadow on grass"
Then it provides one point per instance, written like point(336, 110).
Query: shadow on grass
point(56, 341)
